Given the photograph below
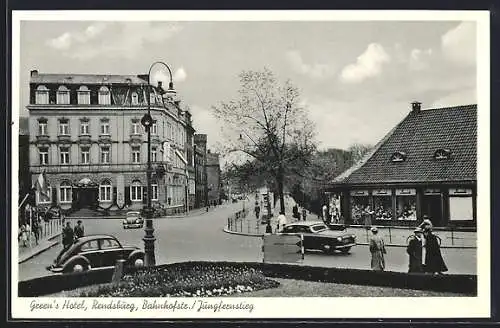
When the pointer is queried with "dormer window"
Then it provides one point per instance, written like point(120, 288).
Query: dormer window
point(42, 95)
point(62, 95)
point(83, 95)
point(398, 156)
point(442, 154)
point(104, 96)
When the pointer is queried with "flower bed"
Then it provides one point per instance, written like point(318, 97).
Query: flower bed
point(184, 280)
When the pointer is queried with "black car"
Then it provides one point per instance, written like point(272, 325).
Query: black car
point(318, 236)
point(133, 220)
point(96, 251)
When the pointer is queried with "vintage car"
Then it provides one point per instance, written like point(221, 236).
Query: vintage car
point(318, 236)
point(96, 251)
point(133, 220)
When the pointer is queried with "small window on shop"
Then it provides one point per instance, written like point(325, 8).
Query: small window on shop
point(461, 205)
point(406, 204)
point(382, 204)
point(359, 201)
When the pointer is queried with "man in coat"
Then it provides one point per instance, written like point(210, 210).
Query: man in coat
point(68, 236)
point(414, 250)
point(434, 262)
point(377, 249)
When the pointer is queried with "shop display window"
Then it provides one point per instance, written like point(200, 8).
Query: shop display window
point(406, 205)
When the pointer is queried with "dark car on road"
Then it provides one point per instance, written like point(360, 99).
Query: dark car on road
point(96, 251)
point(318, 236)
point(133, 220)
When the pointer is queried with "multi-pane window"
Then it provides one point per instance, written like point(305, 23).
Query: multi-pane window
point(42, 128)
point(85, 155)
point(42, 95)
point(136, 129)
point(83, 95)
point(64, 155)
point(63, 95)
point(63, 128)
point(136, 154)
point(104, 96)
point(153, 154)
point(105, 191)
point(136, 191)
point(43, 154)
point(65, 192)
point(105, 127)
point(154, 191)
point(84, 128)
point(105, 154)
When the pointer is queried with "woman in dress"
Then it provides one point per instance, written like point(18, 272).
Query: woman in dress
point(377, 249)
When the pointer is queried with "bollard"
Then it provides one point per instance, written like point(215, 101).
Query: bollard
point(118, 273)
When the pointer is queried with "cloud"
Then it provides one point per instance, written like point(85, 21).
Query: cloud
point(316, 71)
point(419, 59)
point(121, 40)
point(180, 75)
point(459, 44)
point(458, 98)
point(368, 64)
point(62, 42)
point(205, 122)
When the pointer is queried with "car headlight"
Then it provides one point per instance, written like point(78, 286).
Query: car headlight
point(137, 221)
point(353, 237)
point(339, 238)
point(125, 221)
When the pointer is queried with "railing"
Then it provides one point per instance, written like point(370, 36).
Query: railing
point(240, 222)
point(46, 230)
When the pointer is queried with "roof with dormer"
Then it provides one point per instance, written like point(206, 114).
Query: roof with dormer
point(412, 152)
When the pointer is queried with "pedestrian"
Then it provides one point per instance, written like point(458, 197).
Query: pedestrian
point(377, 249)
point(295, 211)
point(325, 213)
point(22, 235)
point(281, 221)
point(36, 230)
point(269, 228)
point(257, 210)
point(304, 213)
point(414, 250)
point(68, 236)
point(79, 230)
point(367, 213)
point(28, 233)
point(434, 262)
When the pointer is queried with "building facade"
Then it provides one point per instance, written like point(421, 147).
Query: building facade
point(86, 135)
point(426, 165)
point(24, 160)
point(213, 178)
point(200, 156)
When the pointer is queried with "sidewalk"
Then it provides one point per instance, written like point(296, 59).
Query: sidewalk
point(26, 253)
point(393, 236)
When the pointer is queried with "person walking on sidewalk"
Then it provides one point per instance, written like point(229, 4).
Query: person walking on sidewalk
point(377, 249)
point(304, 213)
point(281, 221)
point(414, 250)
point(434, 262)
point(257, 210)
point(68, 236)
point(79, 230)
point(36, 230)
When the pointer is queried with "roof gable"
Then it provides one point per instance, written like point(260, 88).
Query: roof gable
point(418, 136)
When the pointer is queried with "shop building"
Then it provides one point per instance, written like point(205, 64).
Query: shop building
point(426, 165)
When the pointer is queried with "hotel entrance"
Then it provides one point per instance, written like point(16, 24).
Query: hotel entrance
point(85, 194)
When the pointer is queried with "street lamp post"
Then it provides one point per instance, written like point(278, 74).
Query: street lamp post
point(147, 122)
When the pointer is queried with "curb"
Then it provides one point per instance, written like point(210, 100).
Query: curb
point(226, 230)
point(41, 250)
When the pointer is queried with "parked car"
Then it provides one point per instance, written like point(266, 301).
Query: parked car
point(133, 220)
point(96, 251)
point(318, 236)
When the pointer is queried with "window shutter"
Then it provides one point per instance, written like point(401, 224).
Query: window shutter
point(127, 196)
point(115, 195)
point(54, 196)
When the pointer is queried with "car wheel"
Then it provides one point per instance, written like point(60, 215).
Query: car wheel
point(136, 262)
point(79, 266)
point(345, 250)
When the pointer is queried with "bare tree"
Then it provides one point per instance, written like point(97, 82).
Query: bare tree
point(358, 151)
point(268, 125)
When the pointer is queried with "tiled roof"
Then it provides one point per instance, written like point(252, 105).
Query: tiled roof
point(85, 79)
point(419, 135)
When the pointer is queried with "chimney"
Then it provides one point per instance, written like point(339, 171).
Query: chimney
point(416, 106)
point(34, 73)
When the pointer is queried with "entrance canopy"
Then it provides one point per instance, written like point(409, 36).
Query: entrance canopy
point(86, 183)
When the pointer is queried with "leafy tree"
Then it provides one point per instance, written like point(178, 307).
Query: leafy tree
point(267, 123)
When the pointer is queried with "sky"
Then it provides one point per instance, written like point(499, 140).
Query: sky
point(356, 78)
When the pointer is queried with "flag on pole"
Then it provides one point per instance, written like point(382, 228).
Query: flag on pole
point(41, 185)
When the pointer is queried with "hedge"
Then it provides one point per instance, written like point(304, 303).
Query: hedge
point(463, 284)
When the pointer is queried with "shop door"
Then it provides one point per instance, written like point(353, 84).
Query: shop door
point(432, 207)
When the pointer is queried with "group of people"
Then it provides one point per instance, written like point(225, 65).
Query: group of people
point(26, 231)
point(69, 235)
point(331, 214)
point(423, 249)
